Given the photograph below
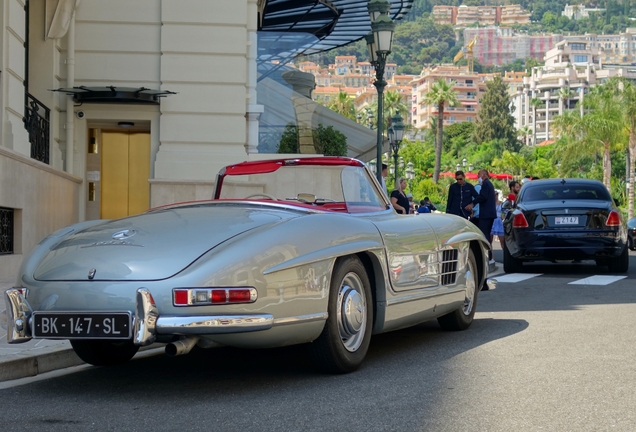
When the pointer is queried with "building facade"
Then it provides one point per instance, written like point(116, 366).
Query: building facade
point(466, 16)
point(501, 45)
point(153, 98)
point(469, 87)
point(570, 70)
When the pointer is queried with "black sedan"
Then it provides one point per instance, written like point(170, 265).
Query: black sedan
point(631, 233)
point(568, 219)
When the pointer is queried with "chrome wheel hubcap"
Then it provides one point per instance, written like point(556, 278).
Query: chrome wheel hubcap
point(352, 312)
point(469, 298)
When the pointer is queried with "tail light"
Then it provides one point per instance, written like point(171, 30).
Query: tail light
point(614, 219)
point(213, 296)
point(519, 221)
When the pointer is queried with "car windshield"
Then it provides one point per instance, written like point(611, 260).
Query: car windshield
point(565, 192)
point(333, 187)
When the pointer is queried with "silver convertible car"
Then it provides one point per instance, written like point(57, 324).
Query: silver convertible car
point(288, 251)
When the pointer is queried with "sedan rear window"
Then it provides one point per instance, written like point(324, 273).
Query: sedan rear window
point(566, 192)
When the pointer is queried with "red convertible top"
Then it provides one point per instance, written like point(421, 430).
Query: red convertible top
point(271, 165)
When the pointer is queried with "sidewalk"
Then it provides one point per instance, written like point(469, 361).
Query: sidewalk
point(40, 356)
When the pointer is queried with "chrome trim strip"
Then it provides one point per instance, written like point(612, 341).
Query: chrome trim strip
point(145, 319)
point(301, 319)
point(417, 296)
point(18, 314)
point(213, 324)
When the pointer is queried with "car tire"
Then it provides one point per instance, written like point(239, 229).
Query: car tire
point(344, 342)
point(510, 263)
point(620, 264)
point(630, 243)
point(462, 318)
point(104, 352)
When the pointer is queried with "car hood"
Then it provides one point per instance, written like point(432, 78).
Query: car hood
point(151, 246)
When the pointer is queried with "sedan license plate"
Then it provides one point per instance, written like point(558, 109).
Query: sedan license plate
point(566, 220)
point(70, 325)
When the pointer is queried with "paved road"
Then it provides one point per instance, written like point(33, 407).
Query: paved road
point(542, 355)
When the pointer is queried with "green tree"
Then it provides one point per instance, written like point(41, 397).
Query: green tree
point(534, 103)
point(329, 141)
point(344, 106)
point(441, 94)
point(289, 140)
point(496, 121)
point(628, 99)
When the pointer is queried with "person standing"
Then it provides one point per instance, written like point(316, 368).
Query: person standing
point(474, 218)
point(515, 187)
point(460, 194)
point(487, 206)
point(398, 198)
point(385, 168)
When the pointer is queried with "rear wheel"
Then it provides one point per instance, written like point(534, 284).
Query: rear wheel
point(511, 264)
point(630, 243)
point(462, 318)
point(104, 352)
point(343, 343)
point(620, 264)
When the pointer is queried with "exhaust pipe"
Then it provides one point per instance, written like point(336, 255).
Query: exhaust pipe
point(182, 346)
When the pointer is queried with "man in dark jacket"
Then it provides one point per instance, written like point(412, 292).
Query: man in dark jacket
point(460, 194)
point(487, 205)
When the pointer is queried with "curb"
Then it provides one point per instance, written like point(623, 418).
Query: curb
point(30, 366)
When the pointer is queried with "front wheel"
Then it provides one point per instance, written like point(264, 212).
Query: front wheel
point(462, 318)
point(343, 343)
point(104, 352)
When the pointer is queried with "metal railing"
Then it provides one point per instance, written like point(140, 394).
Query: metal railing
point(6, 231)
point(37, 123)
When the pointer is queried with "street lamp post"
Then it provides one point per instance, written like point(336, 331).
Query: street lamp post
point(379, 46)
point(396, 133)
point(410, 175)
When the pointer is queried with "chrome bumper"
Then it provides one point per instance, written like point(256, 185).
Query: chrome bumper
point(147, 323)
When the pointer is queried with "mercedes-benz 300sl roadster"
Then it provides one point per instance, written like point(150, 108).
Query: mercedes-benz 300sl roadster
point(288, 251)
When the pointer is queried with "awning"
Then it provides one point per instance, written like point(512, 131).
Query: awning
point(469, 102)
point(113, 94)
point(310, 26)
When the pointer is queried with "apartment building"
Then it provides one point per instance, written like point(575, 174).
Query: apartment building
point(345, 64)
point(502, 45)
point(468, 85)
point(464, 16)
point(570, 70)
point(615, 48)
point(579, 11)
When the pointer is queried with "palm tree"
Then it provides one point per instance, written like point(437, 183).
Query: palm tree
point(441, 93)
point(603, 125)
point(534, 103)
point(394, 104)
point(565, 94)
point(344, 106)
point(524, 133)
point(628, 99)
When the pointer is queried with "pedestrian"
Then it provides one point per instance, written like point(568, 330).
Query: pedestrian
point(409, 196)
point(488, 207)
point(398, 199)
point(423, 208)
point(429, 204)
point(515, 187)
point(474, 215)
point(497, 225)
point(460, 194)
point(385, 169)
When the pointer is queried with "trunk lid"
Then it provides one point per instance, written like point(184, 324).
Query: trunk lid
point(153, 245)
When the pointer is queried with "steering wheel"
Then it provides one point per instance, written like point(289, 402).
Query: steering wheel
point(262, 195)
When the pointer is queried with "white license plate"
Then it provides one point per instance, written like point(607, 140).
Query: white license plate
point(566, 220)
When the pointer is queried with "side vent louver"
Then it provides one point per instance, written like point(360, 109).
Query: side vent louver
point(449, 266)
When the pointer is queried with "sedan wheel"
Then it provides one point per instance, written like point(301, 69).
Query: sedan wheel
point(620, 264)
point(630, 243)
point(344, 341)
point(511, 264)
point(104, 352)
point(461, 318)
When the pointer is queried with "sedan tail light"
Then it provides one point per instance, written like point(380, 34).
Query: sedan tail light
point(614, 219)
point(213, 296)
point(519, 221)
